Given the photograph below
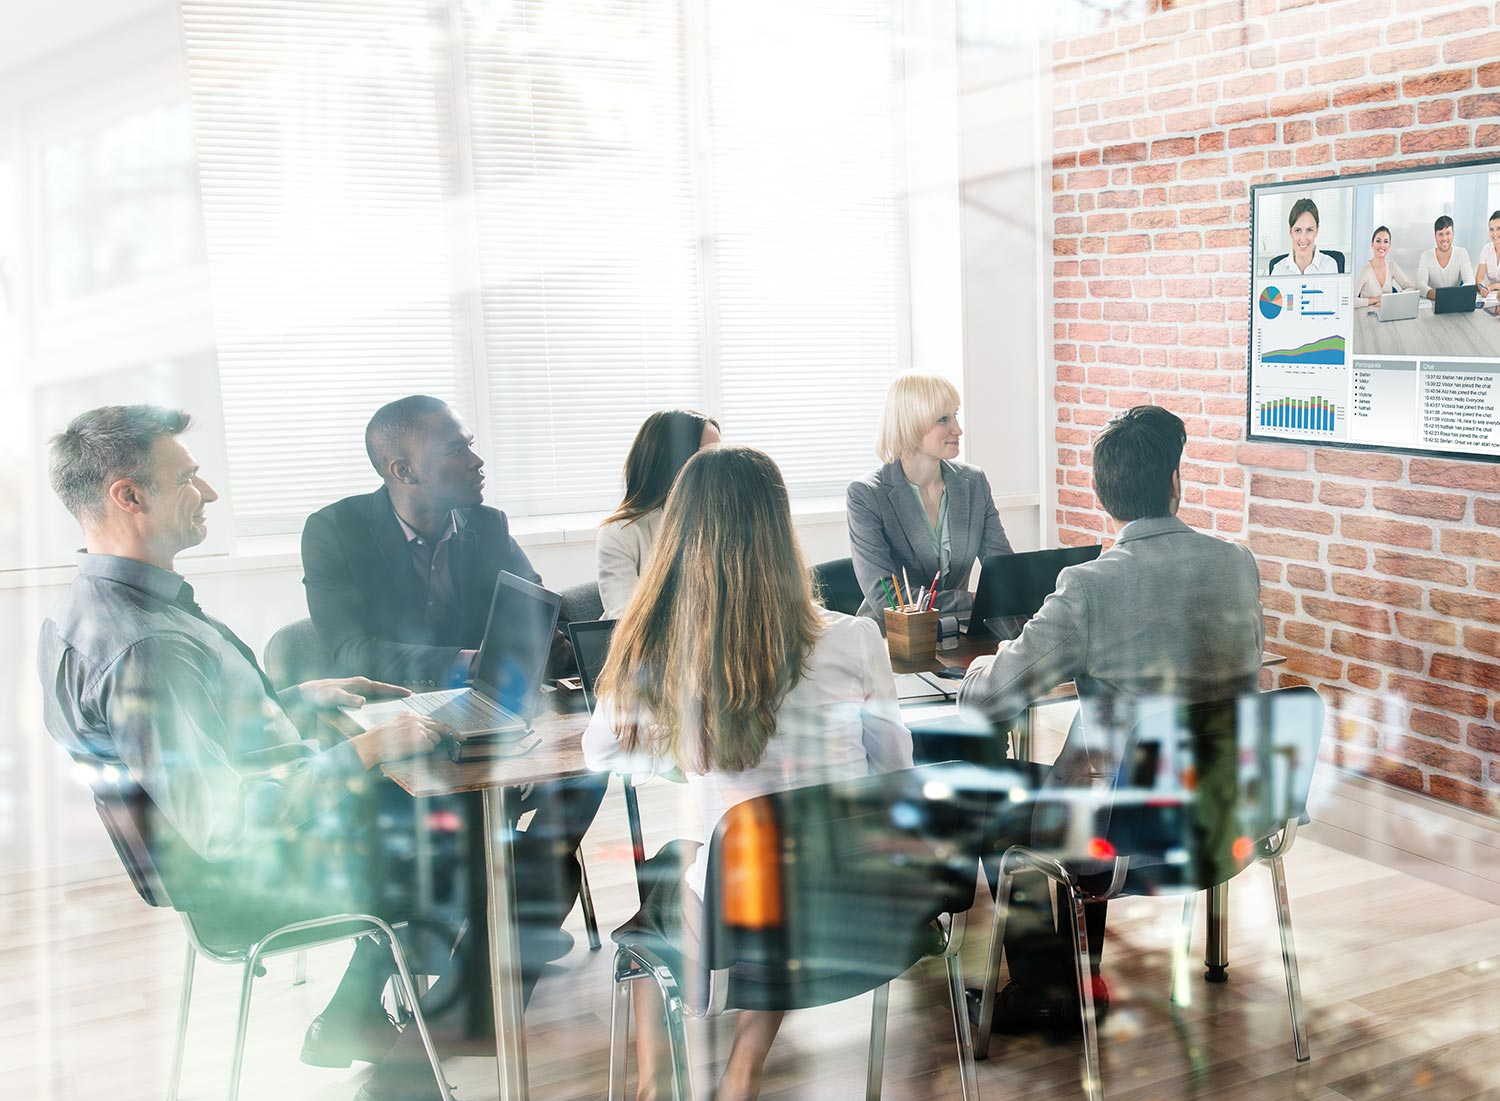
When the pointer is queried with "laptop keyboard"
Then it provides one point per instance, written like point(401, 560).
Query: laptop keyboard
point(467, 713)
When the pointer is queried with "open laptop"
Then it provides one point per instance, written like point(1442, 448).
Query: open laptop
point(590, 639)
point(1399, 306)
point(507, 676)
point(1012, 588)
point(1459, 299)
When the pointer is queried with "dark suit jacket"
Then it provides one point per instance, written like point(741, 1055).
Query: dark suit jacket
point(367, 603)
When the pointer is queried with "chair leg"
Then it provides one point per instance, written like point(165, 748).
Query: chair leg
point(237, 1060)
point(968, 1077)
point(299, 968)
point(586, 900)
point(986, 1027)
point(1182, 947)
point(408, 992)
point(875, 1064)
point(1289, 960)
point(682, 1073)
point(637, 838)
point(619, 1039)
point(1093, 1087)
point(182, 1020)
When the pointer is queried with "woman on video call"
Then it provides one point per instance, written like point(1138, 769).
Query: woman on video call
point(1381, 273)
point(1304, 259)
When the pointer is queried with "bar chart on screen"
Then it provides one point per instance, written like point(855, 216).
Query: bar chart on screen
point(1313, 413)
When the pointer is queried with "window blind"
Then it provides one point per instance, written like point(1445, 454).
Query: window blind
point(321, 141)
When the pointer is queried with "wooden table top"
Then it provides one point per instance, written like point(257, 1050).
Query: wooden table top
point(558, 754)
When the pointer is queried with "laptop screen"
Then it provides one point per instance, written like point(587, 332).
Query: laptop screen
point(1013, 587)
point(517, 640)
point(591, 647)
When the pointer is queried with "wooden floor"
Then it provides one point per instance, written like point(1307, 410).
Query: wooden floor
point(1401, 980)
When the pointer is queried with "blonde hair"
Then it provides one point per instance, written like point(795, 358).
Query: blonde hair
point(913, 405)
point(723, 624)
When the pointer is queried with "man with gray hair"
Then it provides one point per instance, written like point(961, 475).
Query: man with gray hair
point(254, 826)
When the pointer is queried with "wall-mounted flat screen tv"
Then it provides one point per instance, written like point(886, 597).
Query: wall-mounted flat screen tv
point(1373, 311)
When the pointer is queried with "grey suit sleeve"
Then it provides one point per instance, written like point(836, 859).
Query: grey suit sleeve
point(994, 540)
point(1053, 648)
point(337, 601)
point(867, 543)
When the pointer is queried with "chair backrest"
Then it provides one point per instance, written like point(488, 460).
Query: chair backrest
point(580, 602)
point(836, 581)
point(1201, 785)
point(295, 654)
point(127, 817)
point(1338, 258)
point(826, 892)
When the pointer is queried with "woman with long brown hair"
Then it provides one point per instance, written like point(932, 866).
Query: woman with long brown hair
point(725, 667)
point(667, 440)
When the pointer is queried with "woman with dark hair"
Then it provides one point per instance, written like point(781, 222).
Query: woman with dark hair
point(1304, 259)
point(664, 443)
point(726, 668)
point(1381, 273)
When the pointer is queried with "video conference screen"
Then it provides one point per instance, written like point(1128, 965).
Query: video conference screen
point(1373, 318)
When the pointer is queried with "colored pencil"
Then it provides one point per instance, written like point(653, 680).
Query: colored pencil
point(908, 588)
point(900, 599)
point(890, 600)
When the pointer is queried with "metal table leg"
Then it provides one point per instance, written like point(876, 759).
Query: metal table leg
point(505, 946)
point(1025, 727)
point(1216, 953)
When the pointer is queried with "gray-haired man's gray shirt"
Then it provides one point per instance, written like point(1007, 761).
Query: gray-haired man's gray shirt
point(1166, 613)
point(130, 676)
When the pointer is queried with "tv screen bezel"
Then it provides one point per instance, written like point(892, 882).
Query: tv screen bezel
point(1251, 436)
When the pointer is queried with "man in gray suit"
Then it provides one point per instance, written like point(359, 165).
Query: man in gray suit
point(1165, 614)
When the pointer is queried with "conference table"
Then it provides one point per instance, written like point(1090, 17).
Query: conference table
point(1470, 334)
point(557, 754)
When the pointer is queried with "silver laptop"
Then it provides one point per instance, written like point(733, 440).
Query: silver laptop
point(1401, 306)
point(507, 677)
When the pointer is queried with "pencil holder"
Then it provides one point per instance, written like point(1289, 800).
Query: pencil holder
point(912, 636)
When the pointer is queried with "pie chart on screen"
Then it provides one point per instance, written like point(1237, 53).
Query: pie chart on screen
point(1271, 302)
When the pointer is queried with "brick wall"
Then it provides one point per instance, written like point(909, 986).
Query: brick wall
point(1381, 572)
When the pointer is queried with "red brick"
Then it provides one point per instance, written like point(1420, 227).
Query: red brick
point(1365, 93)
point(1484, 477)
point(1431, 141)
point(1433, 725)
point(1291, 519)
point(1435, 111)
point(1278, 600)
point(1284, 546)
point(1305, 577)
point(1486, 739)
point(1358, 464)
point(1309, 662)
point(1381, 118)
point(1436, 84)
point(1421, 567)
point(1487, 512)
point(1464, 605)
point(1465, 795)
point(1120, 154)
point(1355, 615)
point(1454, 22)
point(1411, 60)
point(1471, 544)
point(1342, 555)
point(1261, 134)
point(1351, 731)
point(1481, 674)
point(1482, 47)
point(1271, 456)
point(1341, 495)
point(1416, 502)
point(1281, 489)
point(1422, 629)
point(1364, 676)
point(1368, 529)
point(1482, 641)
point(1383, 651)
point(1444, 697)
point(1305, 634)
point(1365, 148)
point(1489, 75)
point(1432, 755)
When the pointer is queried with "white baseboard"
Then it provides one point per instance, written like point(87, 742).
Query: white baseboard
point(1413, 833)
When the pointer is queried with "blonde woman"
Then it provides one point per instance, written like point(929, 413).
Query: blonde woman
point(724, 667)
point(922, 512)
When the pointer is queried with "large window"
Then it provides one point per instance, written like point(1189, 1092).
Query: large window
point(559, 214)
